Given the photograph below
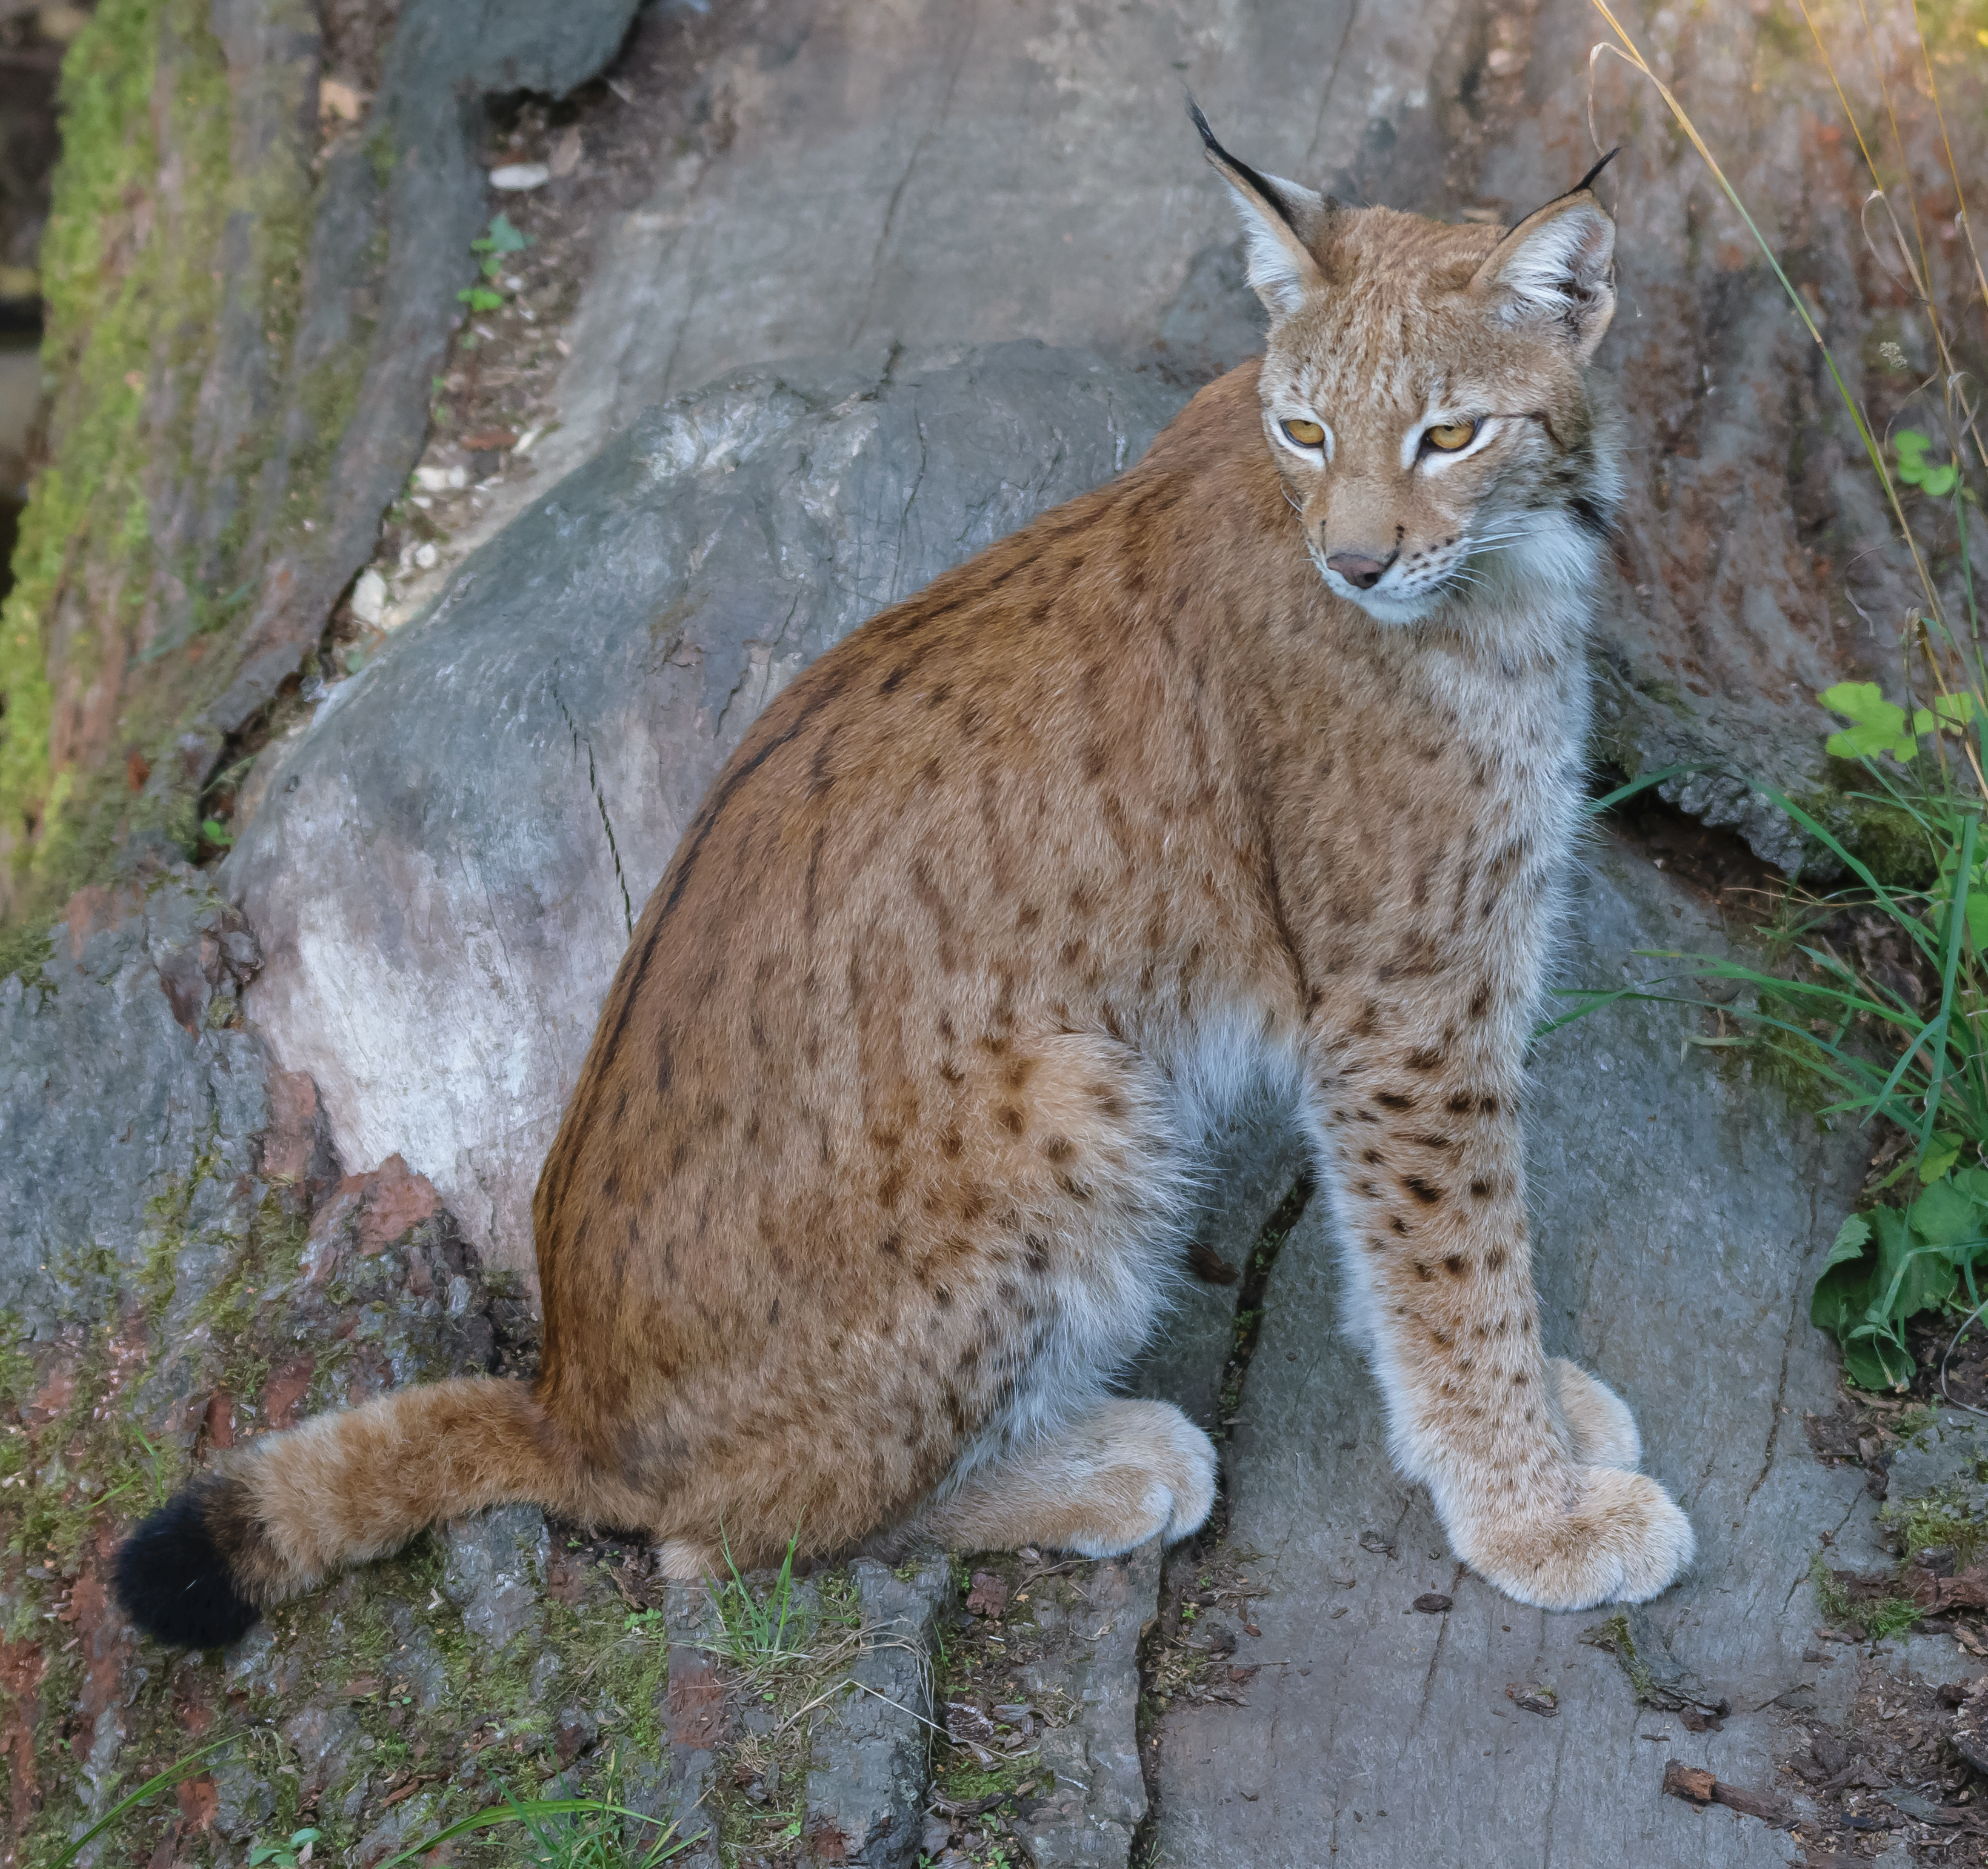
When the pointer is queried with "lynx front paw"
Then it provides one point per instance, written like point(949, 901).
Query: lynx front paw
point(1601, 1430)
point(1622, 1539)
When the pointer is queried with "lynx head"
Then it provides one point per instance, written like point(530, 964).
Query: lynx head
point(1423, 394)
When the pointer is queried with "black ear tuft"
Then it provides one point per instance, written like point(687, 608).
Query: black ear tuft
point(172, 1577)
point(1272, 199)
point(1588, 180)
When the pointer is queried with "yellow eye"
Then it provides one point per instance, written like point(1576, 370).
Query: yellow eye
point(1306, 434)
point(1450, 436)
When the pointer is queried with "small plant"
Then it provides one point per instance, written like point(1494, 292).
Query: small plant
point(759, 1634)
point(286, 1855)
point(567, 1832)
point(1937, 482)
point(1903, 1046)
point(493, 249)
point(179, 1768)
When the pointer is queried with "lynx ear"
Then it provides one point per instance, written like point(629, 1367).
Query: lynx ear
point(1280, 222)
point(1556, 269)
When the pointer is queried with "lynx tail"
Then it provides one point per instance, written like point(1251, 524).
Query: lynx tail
point(281, 1513)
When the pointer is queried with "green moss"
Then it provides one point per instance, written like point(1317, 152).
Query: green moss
point(1940, 1521)
point(138, 302)
point(17, 1367)
point(1885, 839)
point(268, 1259)
point(25, 950)
point(97, 336)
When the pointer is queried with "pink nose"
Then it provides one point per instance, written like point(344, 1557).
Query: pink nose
point(1361, 572)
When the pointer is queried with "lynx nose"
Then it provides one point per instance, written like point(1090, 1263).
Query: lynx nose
point(1361, 572)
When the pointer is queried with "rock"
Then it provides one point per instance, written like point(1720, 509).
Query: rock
point(405, 1825)
point(1946, 1458)
point(1970, 1731)
point(1682, 1212)
point(516, 177)
point(696, 1717)
point(866, 1786)
point(495, 1568)
point(575, 1730)
point(1251, 1166)
point(279, 420)
point(823, 220)
point(127, 1080)
point(1085, 1815)
point(451, 859)
point(369, 598)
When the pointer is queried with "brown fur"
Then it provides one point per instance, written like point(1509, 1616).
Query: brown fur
point(869, 1179)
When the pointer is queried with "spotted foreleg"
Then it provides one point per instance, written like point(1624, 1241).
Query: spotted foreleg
point(1523, 1455)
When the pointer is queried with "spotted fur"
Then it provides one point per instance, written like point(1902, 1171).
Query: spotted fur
point(872, 1181)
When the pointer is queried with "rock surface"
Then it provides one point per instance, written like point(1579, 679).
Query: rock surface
point(124, 1063)
point(828, 174)
point(282, 288)
point(451, 858)
point(866, 1786)
point(1089, 1811)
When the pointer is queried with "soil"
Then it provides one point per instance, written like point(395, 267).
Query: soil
point(1892, 1772)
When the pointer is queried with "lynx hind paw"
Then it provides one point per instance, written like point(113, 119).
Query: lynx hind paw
point(1152, 1476)
point(1623, 1540)
point(685, 1560)
point(1601, 1430)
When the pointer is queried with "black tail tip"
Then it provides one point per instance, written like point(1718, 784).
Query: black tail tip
point(173, 1579)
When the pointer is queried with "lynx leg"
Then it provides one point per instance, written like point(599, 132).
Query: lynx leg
point(1523, 1457)
point(1132, 1471)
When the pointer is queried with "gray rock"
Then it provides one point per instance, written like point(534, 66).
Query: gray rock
point(1085, 1816)
point(404, 1826)
point(494, 1569)
point(450, 860)
point(393, 322)
point(866, 1787)
point(131, 1101)
point(1682, 1214)
point(1250, 1167)
point(837, 176)
point(697, 1719)
point(1945, 1457)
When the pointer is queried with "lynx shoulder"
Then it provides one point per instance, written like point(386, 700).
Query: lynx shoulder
point(1255, 770)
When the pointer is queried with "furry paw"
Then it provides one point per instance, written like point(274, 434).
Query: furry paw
point(1620, 1539)
point(1601, 1430)
point(1154, 1477)
point(685, 1560)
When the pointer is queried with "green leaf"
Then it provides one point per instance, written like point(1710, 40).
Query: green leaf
point(1941, 1153)
point(216, 832)
point(1954, 710)
point(502, 237)
point(1843, 1294)
point(1852, 1238)
point(1913, 1275)
point(481, 297)
point(1911, 445)
point(1874, 1366)
point(1878, 725)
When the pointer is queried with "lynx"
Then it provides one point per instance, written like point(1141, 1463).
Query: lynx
point(1256, 770)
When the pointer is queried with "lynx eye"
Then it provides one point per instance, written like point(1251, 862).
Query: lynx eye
point(1449, 436)
point(1307, 434)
